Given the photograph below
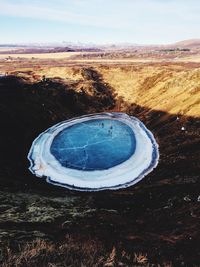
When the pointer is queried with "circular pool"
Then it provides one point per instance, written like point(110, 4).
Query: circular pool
point(95, 152)
point(97, 144)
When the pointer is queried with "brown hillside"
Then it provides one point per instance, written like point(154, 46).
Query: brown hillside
point(191, 43)
point(173, 88)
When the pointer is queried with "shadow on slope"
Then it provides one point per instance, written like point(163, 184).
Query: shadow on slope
point(160, 215)
point(27, 109)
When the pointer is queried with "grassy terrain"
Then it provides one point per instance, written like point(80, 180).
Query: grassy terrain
point(156, 222)
point(169, 87)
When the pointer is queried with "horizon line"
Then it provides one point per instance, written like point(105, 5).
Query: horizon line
point(94, 44)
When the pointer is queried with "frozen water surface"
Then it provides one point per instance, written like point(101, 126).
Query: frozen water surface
point(94, 145)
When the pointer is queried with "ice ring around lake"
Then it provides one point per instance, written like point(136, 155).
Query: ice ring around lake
point(95, 152)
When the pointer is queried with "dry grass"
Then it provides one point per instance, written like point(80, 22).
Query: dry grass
point(73, 253)
point(120, 57)
point(167, 88)
point(59, 55)
point(69, 73)
point(172, 88)
point(42, 253)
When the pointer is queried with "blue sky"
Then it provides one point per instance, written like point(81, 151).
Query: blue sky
point(99, 21)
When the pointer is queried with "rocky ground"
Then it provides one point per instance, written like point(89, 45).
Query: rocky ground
point(155, 222)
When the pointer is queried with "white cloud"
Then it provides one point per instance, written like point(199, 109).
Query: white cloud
point(59, 12)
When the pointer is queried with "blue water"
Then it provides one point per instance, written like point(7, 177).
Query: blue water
point(94, 145)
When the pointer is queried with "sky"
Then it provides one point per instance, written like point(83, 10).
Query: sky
point(99, 21)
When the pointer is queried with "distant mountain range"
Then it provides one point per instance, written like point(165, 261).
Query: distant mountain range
point(191, 44)
point(40, 50)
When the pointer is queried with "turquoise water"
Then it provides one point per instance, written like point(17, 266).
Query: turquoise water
point(97, 144)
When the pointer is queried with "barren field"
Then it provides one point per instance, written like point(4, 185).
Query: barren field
point(141, 54)
point(156, 221)
point(60, 55)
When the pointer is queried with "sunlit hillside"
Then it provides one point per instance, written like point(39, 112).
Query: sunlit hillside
point(174, 88)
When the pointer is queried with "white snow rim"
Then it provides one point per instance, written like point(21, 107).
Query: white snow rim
point(128, 173)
